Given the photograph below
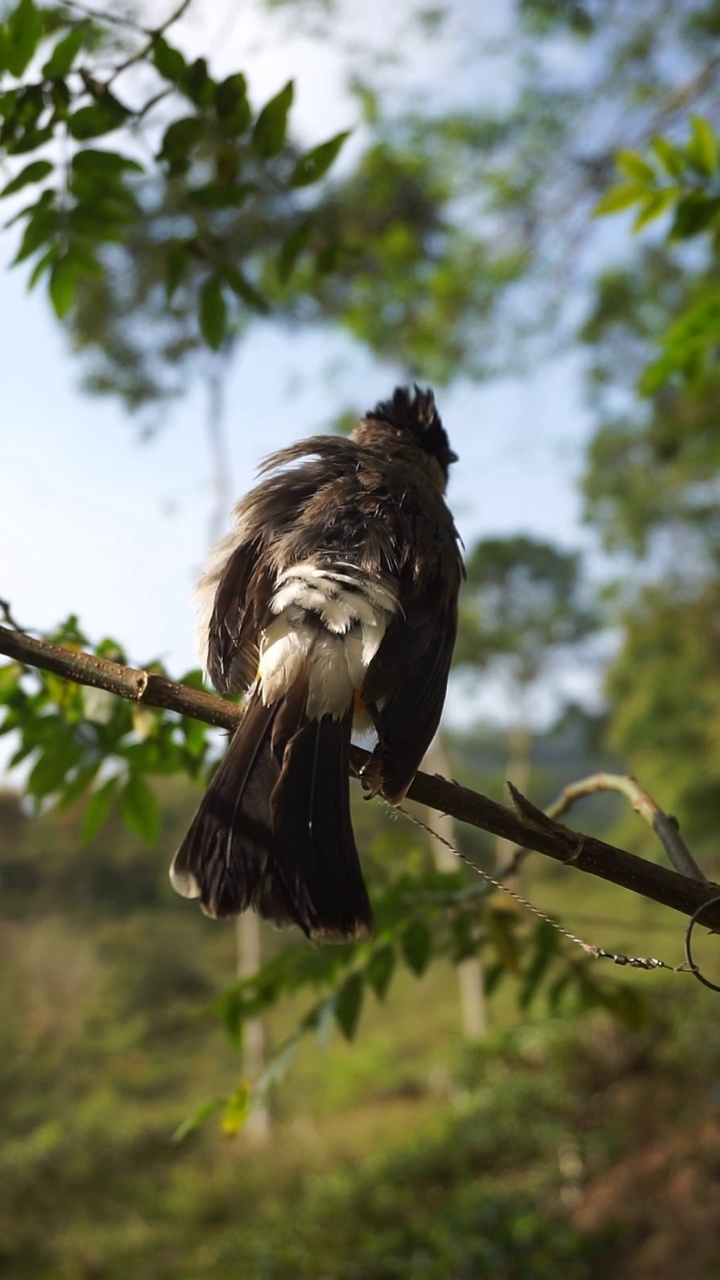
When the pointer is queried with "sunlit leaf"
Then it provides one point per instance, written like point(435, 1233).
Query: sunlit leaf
point(236, 1111)
point(702, 149)
point(9, 678)
point(619, 198)
point(635, 168)
point(670, 156)
point(657, 203)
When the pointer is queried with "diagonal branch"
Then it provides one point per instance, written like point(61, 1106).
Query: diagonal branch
point(543, 835)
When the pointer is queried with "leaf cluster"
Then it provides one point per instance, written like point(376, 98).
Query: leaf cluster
point(84, 744)
point(684, 181)
point(215, 154)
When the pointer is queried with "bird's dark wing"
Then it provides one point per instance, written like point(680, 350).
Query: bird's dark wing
point(407, 682)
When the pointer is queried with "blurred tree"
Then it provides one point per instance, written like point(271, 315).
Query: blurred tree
point(664, 691)
point(524, 608)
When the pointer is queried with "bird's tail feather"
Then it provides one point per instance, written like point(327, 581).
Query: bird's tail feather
point(273, 831)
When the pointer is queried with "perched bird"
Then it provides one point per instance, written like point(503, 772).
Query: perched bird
point(333, 602)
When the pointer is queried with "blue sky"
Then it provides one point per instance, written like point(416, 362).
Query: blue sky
point(94, 522)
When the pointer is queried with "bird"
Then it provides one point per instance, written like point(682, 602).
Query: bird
point(332, 604)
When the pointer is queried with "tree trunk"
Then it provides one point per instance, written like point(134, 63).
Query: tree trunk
point(469, 972)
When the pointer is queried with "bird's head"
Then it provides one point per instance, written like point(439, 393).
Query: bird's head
point(412, 418)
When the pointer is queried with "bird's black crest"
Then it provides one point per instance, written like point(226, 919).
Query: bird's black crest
point(414, 411)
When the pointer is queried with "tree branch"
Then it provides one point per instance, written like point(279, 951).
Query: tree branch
point(534, 830)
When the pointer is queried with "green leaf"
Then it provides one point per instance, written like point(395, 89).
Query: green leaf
point(80, 783)
point(380, 968)
point(702, 149)
point(33, 172)
point(10, 676)
point(546, 947)
point(634, 167)
point(271, 125)
point(669, 155)
point(51, 769)
point(291, 249)
point(237, 1110)
point(140, 809)
point(618, 198)
point(416, 944)
point(213, 312)
point(63, 284)
point(197, 84)
point(348, 1003)
point(101, 117)
point(22, 36)
point(657, 203)
point(220, 195)
point(246, 291)
point(63, 55)
point(232, 106)
point(198, 1117)
point(169, 62)
point(44, 201)
point(42, 264)
point(315, 164)
point(40, 229)
point(177, 259)
point(500, 924)
point(103, 164)
point(693, 215)
point(179, 139)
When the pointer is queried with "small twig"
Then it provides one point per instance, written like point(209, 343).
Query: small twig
point(153, 34)
point(101, 15)
point(664, 826)
point(606, 861)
